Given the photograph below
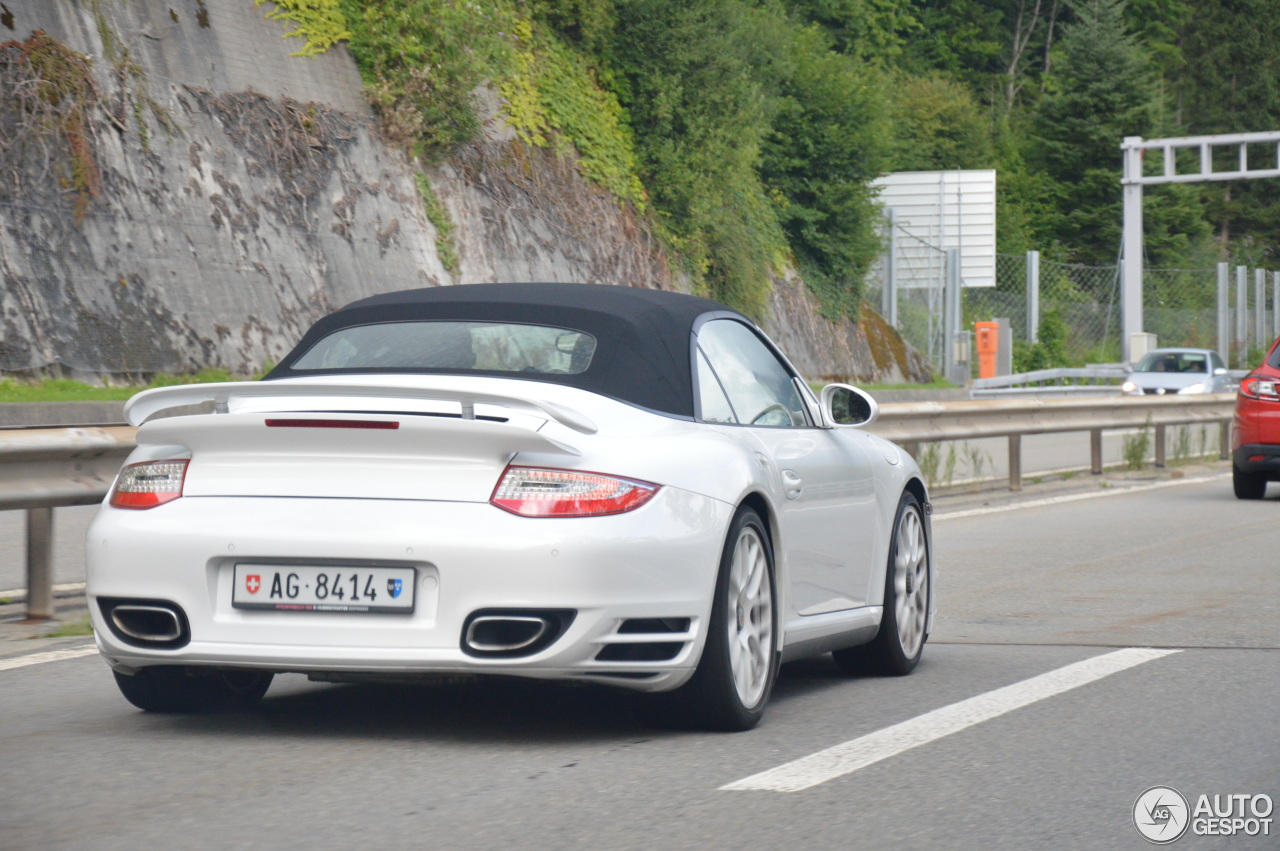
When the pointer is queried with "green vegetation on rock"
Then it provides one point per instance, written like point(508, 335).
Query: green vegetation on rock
point(554, 98)
point(421, 61)
point(320, 23)
point(439, 218)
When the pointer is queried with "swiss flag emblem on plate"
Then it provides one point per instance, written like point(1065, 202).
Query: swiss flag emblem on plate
point(253, 582)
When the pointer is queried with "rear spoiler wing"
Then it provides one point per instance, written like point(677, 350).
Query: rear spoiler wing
point(150, 402)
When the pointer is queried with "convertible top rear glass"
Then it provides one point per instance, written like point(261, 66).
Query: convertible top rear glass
point(641, 352)
point(434, 344)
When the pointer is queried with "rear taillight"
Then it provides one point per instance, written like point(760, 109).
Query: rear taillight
point(149, 484)
point(1259, 387)
point(542, 492)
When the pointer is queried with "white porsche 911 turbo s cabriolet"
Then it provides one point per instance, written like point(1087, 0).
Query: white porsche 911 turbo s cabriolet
point(561, 481)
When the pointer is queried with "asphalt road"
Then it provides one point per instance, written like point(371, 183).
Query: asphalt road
point(1024, 592)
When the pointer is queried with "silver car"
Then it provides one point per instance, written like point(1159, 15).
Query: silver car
point(1179, 371)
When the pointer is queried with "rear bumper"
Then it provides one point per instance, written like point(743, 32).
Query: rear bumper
point(658, 562)
point(1257, 458)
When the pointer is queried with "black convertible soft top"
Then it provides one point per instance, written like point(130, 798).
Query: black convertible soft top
point(642, 336)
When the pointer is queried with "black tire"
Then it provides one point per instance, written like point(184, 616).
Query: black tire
point(172, 689)
point(908, 583)
point(1248, 485)
point(716, 698)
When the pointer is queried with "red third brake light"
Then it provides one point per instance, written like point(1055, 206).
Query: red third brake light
point(376, 424)
point(542, 492)
point(149, 484)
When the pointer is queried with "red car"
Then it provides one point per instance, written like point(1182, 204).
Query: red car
point(1255, 435)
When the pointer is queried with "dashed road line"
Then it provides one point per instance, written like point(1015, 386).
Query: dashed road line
point(49, 656)
point(858, 753)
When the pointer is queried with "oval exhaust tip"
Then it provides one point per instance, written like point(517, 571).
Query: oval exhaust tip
point(147, 623)
point(505, 633)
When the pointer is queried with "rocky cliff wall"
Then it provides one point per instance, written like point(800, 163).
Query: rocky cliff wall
point(195, 195)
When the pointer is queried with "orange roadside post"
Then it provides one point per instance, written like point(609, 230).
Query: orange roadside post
point(987, 335)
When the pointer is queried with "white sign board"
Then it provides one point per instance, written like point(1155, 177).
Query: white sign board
point(938, 210)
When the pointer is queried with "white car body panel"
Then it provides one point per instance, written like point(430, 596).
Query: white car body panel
point(186, 556)
point(426, 457)
point(418, 496)
point(830, 511)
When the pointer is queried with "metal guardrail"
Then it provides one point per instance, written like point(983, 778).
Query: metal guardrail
point(44, 468)
point(913, 423)
point(1091, 380)
point(41, 469)
point(1095, 380)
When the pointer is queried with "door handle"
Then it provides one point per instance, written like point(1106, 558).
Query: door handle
point(792, 484)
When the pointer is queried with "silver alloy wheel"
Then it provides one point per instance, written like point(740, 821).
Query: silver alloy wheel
point(750, 617)
point(911, 582)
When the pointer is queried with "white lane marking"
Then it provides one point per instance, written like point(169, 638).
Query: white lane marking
point(858, 753)
point(1075, 497)
point(22, 592)
point(51, 656)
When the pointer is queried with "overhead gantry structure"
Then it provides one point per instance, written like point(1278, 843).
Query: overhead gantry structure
point(1134, 179)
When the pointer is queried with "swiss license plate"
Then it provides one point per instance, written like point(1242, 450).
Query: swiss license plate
point(308, 588)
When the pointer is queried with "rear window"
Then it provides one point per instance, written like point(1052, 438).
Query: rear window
point(1173, 362)
point(436, 345)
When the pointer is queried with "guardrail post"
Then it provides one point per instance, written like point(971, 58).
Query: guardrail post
point(1160, 444)
point(1095, 451)
point(1015, 462)
point(913, 448)
point(1224, 441)
point(39, 564)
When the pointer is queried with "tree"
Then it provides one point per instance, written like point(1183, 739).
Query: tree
point(829, 138)
point(937, 124)
point(699, 112)
point(1231, 84)
point(873, 31)
point(1100, 92)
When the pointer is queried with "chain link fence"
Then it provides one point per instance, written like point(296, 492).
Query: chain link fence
point(918, 270)
point(1180, 307)
point(1231, 309)
point(1079, 307)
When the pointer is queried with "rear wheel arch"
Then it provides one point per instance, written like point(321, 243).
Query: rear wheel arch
point(734, 678)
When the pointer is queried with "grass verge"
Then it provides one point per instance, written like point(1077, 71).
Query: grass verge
point(67, 390)
point(80, 626)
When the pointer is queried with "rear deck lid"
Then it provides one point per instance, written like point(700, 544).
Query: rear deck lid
point(360, 455)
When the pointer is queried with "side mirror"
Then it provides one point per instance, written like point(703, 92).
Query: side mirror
point(843, 405)
point(1220, 371)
